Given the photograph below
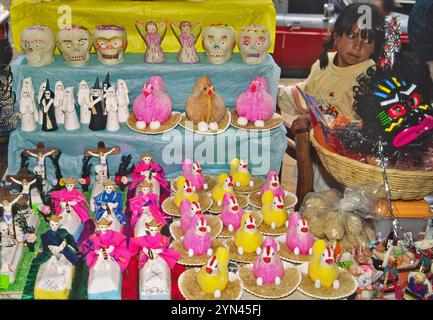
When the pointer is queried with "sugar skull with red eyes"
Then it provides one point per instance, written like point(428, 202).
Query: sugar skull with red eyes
point(402, 113)
point(110, 43)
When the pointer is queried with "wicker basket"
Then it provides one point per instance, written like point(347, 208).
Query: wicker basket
point(405, 185)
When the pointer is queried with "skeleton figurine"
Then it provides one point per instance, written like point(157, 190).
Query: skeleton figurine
point(71, 118)
point(59, 100)
point(42, 89)
point(123, 101)
point(83, 96)
point(112, 109)
point(29, 113)
point(46, 104)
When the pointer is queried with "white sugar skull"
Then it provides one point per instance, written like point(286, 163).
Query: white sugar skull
point(219, 41)
point(110, 43)
point(75, 44)
point(38, 44)
point(254, 42)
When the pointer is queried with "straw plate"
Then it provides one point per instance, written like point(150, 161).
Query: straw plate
point(190, 289)
point(167, 126)
point(242, 199)
point(258, 184)
point(272, 123)
point(223, 125)
point(194, 261)
point(235, 256)
point(210, 180)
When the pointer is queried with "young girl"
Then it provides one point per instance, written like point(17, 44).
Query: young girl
point(332, 77)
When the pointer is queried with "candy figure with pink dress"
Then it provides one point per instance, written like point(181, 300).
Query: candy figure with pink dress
point(152, 34)
point(156, 260)
point(107, 257)
point(187, 34)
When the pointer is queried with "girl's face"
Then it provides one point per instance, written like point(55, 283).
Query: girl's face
point(353, 49)
point(185, 28)
point(151, 28)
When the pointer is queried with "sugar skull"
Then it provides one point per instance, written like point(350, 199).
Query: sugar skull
point(110, 43)
point(254, 42)
point(75, 44)
point(38, 44)
point(219, 40)
point(403, 114)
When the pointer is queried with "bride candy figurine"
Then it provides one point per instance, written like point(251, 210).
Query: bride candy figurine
point(187, 34)
point(152, 34)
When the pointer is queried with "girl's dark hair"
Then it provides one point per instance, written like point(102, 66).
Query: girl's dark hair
point(345, 23)
point(388, 5)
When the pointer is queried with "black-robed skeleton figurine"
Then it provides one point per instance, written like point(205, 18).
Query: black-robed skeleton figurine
point(395, 106)
point(46, 104)
point(98, 118)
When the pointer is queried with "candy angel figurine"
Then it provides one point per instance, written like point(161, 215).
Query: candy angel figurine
point(71, 205)
point(232, 213)
point(112, 107)
point(192, 172)
point(187, 34)
point(46, 104)
point(153, 107)
point(197, 241)
point(107, 257)
point(255, 105)
point(155, 258)
point(109, 205)
point(71, 118)
point(54, 267)
point(298, 237)
point(59, 100)
point(152, 34)
point(144, 209)
point(29, 113)
point(122, 95)
point(83, 96)
point(268, 267)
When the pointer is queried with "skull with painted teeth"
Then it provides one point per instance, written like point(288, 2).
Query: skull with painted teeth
point(38, 44)
point(219, 41)
point(254, 42)
point(110, 43)
point(75, 44)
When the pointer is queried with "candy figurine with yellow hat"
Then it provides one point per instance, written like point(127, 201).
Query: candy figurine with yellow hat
point(109, 205)
point(53, 269)
point(71, 205)
point(185, 190)
point(107, 257)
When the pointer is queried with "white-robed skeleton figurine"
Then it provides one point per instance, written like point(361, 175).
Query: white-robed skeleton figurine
point(28, 110)
point(122, 95)
point(71, 118)
point(83, 96)
point(112, 109)
point(59, 98)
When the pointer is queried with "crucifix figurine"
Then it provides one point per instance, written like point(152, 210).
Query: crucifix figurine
point(40, 153)
point(26, 181)
point(6, 203)
point(101, 169)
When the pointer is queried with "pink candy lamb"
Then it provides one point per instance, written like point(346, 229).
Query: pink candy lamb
point(153, 107)
point(256, 104)
point(273, 183)
point(192, 172)
point(232, 213)
point(190, 213)
point(197, 240)
point(298, 238)
point(268, 268)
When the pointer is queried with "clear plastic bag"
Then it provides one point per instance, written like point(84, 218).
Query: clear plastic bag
point(347, 218)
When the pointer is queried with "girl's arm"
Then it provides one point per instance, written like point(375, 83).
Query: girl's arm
point(162, 28)
point(175, 28)
point(196, 29)
point(141, 27)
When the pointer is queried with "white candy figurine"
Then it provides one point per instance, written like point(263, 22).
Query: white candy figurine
point(254, 42)
point(123, 101)
point(29, 113)
point(219, 40)
point(110, 43)
point(28, 84)
point(71, 118)
point(112, 107)
point(59, 97)
point(42, 89)
point(75, 43)
point(38, 44)
point(83, 96)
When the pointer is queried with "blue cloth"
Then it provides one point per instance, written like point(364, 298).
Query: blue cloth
point(113, 197)
point(264, 151)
